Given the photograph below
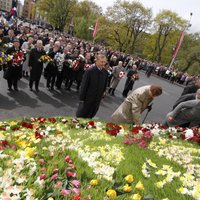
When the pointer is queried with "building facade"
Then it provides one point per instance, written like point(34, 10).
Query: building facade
point(6, 5)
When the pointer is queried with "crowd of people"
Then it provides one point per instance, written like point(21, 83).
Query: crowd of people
point(94, 70)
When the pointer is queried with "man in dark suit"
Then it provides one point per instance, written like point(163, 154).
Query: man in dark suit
point(191, 88)
point(184, 98)
point(35, 65)
point(13, 72)
point(92, 88)
point(132, 75)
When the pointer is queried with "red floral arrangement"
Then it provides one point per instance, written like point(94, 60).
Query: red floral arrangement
point(18, 58)
point(112, 129)
point(140, 136)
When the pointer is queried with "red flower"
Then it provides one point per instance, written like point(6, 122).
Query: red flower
point(43, 176)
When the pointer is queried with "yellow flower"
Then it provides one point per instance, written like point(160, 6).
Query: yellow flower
point(197, 188)
point(13, 123)
point(159, 184)
point(129, 178)
point(139, 186)
point(94, 182)
point(50, 198)
point(162, 141)
point(136, 197)
point(127, 188)
point(111, 194)
point(29, 151)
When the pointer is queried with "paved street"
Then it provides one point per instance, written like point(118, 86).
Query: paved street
point(63, 103)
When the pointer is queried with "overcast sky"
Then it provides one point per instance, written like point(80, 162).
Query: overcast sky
point(182, 7)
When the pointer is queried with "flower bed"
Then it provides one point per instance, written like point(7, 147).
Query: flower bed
point(63, 158)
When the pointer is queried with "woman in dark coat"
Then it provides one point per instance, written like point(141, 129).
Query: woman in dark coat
point(36, 66)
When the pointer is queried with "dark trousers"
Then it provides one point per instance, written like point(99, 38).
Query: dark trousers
point(59, 79)
point(51, 80)
point(36, 84)
point(12, 82)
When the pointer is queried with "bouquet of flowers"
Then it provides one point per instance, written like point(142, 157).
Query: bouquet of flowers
point(121, 74)
point(59, 60)
point(135, 76)
point(2, 59)
point(18, 58)
point(45, 59)
point(8, 45)
point(75, 65)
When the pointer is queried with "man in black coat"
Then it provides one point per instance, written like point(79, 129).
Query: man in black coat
point(132, 75)
point(191, 88)
point(92, 88)
point(13, 72)
point(35, 65)
point(186, 97)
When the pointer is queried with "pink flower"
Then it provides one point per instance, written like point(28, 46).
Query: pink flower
point(70, 162)
point(58, 184)
point(52, 154)
point(43, 168)
point(72, 174)
point(76, 183)
point(65, 192)
point(67, 158)
point(41, 161)
point(36, 154)
point(55, 170)
point(43, 176)
point(54, 177)
point(76, 191)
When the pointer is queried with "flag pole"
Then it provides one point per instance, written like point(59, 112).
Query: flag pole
point(180, 41)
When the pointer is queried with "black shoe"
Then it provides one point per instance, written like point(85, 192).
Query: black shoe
point(37, 90)
point(31, 89)
point(10, 89)
point(16, 89)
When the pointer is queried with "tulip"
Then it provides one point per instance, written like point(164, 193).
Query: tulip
point(72, 174)
point(43, 169)
point(52, 154)
point(139, 186)
point(111, 194)
point(36, 154)
point(94, 182)
point(129, 178)
point(43, 176)
point(65, 192)
point(70, 162)
point(76, 183)
point(76, 191)
point(55, 170)
point(127, 188)
point(41, 161)
point(54, 177)
point(58, 184)
point(67, 158)
point(136, 197)
point(73, 167)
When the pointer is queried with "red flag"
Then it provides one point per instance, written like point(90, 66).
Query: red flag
point(178, 44)
point(95, 28)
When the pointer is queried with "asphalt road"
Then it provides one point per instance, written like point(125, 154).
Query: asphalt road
point(25, 103)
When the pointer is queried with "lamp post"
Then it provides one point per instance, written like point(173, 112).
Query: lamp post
point(175, 52)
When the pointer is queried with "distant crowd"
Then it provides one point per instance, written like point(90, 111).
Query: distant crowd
point(94, 70)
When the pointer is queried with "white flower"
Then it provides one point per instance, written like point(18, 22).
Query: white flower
point(189, 134)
